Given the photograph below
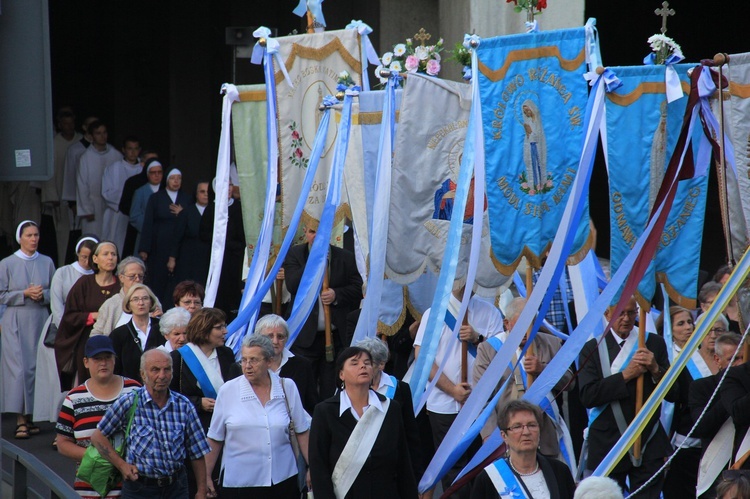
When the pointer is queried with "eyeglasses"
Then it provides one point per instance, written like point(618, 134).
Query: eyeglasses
point(628, 313)
point(134, 277)
point(140, 299)
point(253, 361)
point(717, 331)
point(191, 302)
point(518, 428)
point(220, 327)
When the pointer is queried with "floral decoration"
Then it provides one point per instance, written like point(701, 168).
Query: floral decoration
point(533, 6)
point(663, 47)
point(529, 187)
point(462, 56)
point(412, 59)
point(297, 158)
point(344, 82)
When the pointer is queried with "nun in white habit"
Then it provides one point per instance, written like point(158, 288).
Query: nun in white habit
point(25, 278)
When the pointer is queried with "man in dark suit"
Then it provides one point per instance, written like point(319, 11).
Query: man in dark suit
point(701, 391)
point(343, 295)
point(735, 396)
point(610, 386)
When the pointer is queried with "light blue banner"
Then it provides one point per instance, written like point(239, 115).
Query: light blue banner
point(636, 164)
point(534, 98)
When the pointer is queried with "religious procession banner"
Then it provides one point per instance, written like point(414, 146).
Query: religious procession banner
point(314, 62)
point(641, 132)
point(427, 156)
point(533, 104)
point(737, 128)
point(251, 157)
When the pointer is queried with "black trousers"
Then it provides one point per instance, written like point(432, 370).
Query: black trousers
point(638, 476)
point(323, 371)
point(440, 424)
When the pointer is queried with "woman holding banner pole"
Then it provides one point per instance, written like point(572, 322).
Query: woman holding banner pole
point(358, 445)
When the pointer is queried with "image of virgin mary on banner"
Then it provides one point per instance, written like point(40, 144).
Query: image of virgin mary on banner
point(533, 103)
point(641, 133)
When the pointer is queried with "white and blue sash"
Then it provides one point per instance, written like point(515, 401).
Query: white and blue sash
point(209, 381)
point(505, 481)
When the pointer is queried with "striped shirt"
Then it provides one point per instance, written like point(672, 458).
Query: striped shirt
point(79, 415)
point(160, 438)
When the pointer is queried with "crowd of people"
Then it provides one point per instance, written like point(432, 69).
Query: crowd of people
point(119, 341)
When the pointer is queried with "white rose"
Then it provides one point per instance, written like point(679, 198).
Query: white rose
point(422, 52)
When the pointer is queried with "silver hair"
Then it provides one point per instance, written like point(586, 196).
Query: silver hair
point(378, 350)
point(172, 319)
point(731, 340)
point(127, 261)
point(598, 487)
point(145, 355)
point(271, 321)
point(260, 341)
point(514, 308)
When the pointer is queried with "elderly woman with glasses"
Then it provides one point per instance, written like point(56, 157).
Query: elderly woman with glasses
point(139, 334)
point(285, 363)
point(131, 270)
point(188, 295)
point(523, 472)
point(682, 475)
point(251, 423)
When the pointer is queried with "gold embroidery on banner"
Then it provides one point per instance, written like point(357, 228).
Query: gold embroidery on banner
point(527, 54)
point(319, 54)
point(367, 118)
point(739, 90)
point(649, 87)
point(253, 96)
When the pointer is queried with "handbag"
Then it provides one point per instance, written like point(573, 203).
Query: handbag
point(301, 464)
point(96, 470)
point(49, 336)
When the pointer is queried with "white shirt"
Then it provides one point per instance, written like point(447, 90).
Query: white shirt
point(486, 320)
point(385, 383)
point(285, 356)
point(257, 451)
point(345, 404)
point(143, 335)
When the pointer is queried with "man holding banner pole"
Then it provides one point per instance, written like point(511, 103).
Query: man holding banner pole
point(343, 294)
point(607, 379)
point(449, 393)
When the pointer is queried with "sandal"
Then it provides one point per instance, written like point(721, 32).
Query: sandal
point(22, 434)
point(33, 429)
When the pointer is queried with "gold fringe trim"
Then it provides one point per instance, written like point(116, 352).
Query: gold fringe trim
point(387, 330)
point(535, 53)
point(681, 300)
point(536, 260)
point(319, 54)
point(649, 87)
point(410, 306)
point(253, 96)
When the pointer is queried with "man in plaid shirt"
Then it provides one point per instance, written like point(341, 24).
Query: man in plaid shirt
point(165, 429)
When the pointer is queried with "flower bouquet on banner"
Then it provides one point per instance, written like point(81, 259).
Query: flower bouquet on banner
point(406, 57)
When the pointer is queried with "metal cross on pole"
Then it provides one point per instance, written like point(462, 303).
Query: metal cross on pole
point(664, 12)
point(422, 36)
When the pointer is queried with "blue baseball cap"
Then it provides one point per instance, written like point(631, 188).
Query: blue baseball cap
point(98, 344)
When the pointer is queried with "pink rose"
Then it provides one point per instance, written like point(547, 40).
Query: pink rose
point(295, 135)
point(549, 183)
point(298, 153)
point(524, 185)
point(433, 67)
point(532, 191)
point(412, 63)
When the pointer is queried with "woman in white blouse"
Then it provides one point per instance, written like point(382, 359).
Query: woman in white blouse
point(251, 423)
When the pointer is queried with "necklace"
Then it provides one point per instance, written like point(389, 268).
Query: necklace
point(523, 474)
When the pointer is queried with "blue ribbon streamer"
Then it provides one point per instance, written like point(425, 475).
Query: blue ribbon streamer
point(312, 278)
point(368, 320)
point(246, 316)
point(197, 369)
point(265, 236)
